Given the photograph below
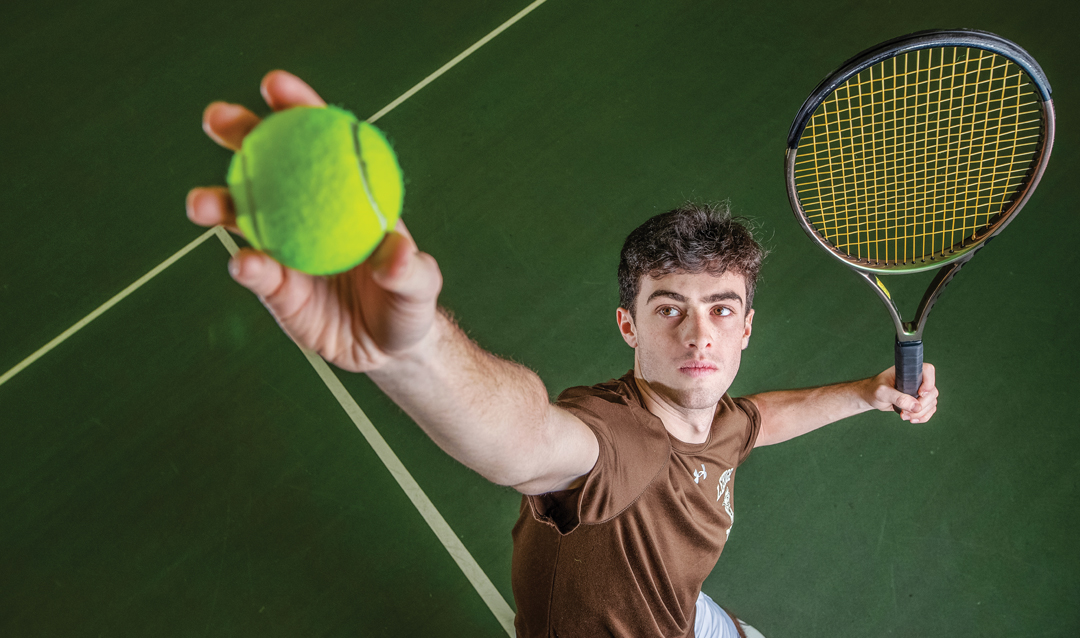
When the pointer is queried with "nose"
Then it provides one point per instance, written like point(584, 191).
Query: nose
point(698, 331)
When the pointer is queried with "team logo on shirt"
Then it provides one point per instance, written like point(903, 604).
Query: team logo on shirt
point(722, 492)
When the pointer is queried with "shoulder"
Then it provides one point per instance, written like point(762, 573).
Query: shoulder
point(747, 407)
point(634, 449)
point(610, 404)
point(738, 423)
point(612, 390)
point(631, 439)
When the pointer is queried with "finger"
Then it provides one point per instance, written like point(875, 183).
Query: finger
point(906, 403)
point(929, 375)
point(928, 394)
point(923, 415)
point(211, 206)
point(399, 267)
point(400, 229)
point(283, 90)
point(927, 407)
point(228, 124)
point(283, 290)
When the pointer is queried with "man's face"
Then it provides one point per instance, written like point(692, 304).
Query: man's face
point(688, 334)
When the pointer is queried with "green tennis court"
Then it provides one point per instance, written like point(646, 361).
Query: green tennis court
point(175, 466)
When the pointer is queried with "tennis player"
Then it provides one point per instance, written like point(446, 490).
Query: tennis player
point(628, 486)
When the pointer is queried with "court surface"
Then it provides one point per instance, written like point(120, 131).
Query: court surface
point(177, 467)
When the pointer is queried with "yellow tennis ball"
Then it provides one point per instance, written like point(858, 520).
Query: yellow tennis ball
point(316, 189)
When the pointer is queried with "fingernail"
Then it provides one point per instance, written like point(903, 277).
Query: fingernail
point(234, 269)
point(220, 107)
point(189, 203)
point(208, 113)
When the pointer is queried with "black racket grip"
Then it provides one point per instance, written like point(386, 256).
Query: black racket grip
point(909, 367)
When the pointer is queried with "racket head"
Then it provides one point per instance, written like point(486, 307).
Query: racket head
point(917, 151)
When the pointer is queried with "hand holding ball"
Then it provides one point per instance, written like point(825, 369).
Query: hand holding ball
point(316, 189)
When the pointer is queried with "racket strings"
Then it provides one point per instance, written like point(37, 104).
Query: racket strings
point(914, 156)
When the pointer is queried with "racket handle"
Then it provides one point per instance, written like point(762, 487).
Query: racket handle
point(909, 366)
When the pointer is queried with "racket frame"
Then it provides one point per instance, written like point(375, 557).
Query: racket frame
point(908, 348)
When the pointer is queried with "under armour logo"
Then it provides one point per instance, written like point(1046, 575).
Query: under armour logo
point(700, 475)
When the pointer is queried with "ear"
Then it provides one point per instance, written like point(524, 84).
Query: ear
point(626, 327)
point(747, 329)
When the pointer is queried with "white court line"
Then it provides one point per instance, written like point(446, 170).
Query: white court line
point(472, 570)
point(468, 565)
point(43, 350)
point(449, 65)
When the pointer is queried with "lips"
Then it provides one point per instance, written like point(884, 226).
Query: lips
point(697, 368)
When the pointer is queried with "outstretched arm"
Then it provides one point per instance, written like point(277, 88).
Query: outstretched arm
point(491, 414)
point(786, 414)
point(382, 318)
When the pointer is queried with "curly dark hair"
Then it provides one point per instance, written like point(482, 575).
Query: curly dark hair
point(693, 238)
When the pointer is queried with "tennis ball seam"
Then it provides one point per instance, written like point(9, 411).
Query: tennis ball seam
point(364, 175)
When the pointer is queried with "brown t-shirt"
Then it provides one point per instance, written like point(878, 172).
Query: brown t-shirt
point(626, 554)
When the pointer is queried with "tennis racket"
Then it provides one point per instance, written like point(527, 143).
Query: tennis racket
point(913, 155)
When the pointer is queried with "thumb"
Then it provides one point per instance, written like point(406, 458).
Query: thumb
point(399, 267)
point(905, 402)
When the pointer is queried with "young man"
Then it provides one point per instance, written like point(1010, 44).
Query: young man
point(628, 485)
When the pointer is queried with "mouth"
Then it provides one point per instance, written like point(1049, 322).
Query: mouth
point(697, 368)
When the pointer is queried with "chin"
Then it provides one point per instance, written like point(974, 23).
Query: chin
point(699, 398)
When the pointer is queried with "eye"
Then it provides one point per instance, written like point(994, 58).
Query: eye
point(723, 311)
point(668, 311)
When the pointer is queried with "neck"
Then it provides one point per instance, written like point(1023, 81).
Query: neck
point(686, 424)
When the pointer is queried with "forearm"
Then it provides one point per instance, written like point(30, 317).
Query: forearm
point(488, 413)
point(786, 414)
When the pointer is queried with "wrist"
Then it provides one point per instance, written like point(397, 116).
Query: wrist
point(870, 392)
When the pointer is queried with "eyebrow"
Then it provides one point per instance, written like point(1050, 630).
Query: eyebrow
point(720, 296)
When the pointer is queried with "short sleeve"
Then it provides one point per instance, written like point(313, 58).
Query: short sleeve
point(753, 428)
point(634, 450)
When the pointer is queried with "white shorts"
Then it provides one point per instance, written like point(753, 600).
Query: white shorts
point(712, 622)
